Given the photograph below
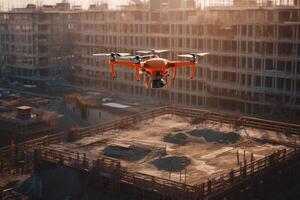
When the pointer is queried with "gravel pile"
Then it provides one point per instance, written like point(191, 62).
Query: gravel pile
point(216, 136)
point(171, 163)
point(132, 153)
point(178, 138)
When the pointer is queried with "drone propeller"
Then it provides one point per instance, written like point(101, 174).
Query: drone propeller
point(112, 54)
point(122, 54)
point(193, 56)
point(102, 54)
point(152, 51)
point(137, 58)
point(147, 56)
point(186, 56)
point(202, 54)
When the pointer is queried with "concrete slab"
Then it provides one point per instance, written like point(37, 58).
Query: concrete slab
point(209, 154)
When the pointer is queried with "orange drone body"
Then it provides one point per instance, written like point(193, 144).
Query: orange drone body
point(157, 68)
point(153, 66)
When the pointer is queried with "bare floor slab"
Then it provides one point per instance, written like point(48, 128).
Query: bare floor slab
point(174, 148)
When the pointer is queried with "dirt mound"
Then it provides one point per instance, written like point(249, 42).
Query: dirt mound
point(128, 153)
point(171, 163)
point(198, 120)
point(178, 138)
point(216, 136)
point(177, 129)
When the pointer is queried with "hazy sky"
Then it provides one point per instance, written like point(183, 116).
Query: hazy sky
point(85, 3)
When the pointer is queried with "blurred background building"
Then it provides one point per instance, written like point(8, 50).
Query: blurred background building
point(253, 68)
point(36, 42)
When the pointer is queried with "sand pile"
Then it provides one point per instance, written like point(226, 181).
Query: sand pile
point(171, 163)
point(178, 138)
point(128, 153)
point(216, 136)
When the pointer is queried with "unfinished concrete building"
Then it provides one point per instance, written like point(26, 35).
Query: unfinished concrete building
point(254, 64)
point(35, 42)
point(253, 67)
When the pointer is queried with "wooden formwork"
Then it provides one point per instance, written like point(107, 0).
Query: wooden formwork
point(237, 120)
point(108, 168)
point(112, 170)
point(132, 120)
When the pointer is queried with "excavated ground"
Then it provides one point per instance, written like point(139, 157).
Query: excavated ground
point(171, 146)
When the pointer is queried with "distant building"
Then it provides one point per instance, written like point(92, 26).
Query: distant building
point(26, 123)
point(35, 43)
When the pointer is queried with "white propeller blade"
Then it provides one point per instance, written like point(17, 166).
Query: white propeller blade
point(147, 56)
point(122, 54)
point(143, 52)
point(192, 55)
point(134, 57)
point(153, 51)
point(127, 57)
point(202, 54)
point(161, 51)
point(186, 56)
point(101, 54)
point(110, 54)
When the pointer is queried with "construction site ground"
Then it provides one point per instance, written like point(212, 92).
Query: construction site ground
point(175, 148)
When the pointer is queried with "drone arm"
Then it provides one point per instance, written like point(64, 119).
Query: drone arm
point(174, 72)
point(126, 63)
point(112, 67)
point(176, 64)
point(137, 72)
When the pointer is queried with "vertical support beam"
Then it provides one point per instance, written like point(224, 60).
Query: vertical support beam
point(237, 157)
point(209, 183)
point(244, 156)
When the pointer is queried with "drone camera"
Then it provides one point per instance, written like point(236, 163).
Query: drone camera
point(159, 83)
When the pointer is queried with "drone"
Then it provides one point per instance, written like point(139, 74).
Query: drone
point(156, 69)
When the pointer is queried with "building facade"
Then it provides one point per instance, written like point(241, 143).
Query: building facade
point(35, 42)
point(253, 68)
